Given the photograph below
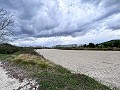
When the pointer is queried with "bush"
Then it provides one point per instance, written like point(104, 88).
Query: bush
point(27, 51)
point(8, 49)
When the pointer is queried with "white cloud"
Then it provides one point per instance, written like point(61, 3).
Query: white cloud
point(51, 22)
point(93, 36)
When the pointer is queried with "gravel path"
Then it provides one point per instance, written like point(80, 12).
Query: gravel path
point(101, 65)
point(8, 82)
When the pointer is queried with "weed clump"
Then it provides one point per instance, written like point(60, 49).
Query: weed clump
point(32, 60)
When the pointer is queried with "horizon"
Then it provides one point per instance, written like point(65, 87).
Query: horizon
point(55, 22)
point(63, 44)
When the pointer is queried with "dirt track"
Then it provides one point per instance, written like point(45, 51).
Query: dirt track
point(8, 82)
point(101, 65)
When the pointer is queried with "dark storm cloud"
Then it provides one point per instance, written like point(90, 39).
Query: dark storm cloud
point(49, 18)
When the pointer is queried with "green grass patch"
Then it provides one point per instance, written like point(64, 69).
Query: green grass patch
point(56, 81)
point(5, 57)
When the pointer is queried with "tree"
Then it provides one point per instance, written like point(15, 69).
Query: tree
point(84, 45)
point(97, 45)
point(91, 45)
point(6, 24)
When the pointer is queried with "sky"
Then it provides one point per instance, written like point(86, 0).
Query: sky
point(57, 22)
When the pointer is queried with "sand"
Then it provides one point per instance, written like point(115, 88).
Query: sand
point(104, 66)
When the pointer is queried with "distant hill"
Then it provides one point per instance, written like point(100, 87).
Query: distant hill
point(111, 43)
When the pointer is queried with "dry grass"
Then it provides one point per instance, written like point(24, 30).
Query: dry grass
point(32, 59)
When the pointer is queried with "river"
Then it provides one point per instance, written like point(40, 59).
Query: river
point(104, 66)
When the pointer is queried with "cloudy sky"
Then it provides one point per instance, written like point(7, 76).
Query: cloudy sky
point(53, 22)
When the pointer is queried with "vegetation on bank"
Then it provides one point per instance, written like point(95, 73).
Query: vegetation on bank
point(82, 48)
point(8, 49)
point(48, 75)
point(113, 45)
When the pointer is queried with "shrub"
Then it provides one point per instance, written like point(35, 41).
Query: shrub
point(8, 49)
point(27, 51)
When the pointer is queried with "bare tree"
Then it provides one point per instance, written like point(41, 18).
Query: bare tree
point(6, 24)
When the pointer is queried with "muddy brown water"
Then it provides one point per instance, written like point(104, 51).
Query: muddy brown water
point(104, 66)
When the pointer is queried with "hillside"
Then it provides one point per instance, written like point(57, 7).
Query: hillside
point(111, 43)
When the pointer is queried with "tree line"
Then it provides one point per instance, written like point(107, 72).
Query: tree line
point(109, 44)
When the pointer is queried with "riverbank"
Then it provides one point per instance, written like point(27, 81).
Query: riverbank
point(48, 75)
point(10, 80)
point(91, 49)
